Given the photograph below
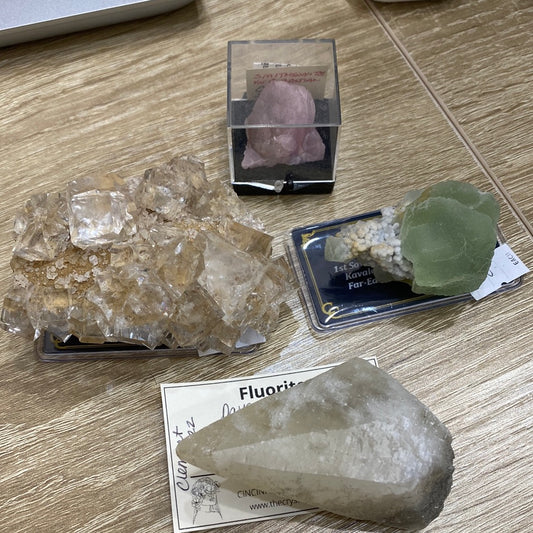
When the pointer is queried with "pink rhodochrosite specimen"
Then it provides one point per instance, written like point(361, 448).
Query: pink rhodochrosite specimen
point(280, 104)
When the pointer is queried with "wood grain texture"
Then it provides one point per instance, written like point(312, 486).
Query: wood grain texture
point(82, 444)
point(477, 57)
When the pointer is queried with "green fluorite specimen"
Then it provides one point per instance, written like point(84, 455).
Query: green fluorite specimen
point(449, 233)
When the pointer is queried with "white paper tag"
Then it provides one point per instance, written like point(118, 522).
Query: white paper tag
point(505, 267)
point(313, 78)
point(198, 499)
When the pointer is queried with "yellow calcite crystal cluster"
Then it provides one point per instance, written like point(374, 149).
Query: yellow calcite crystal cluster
point(170, 258)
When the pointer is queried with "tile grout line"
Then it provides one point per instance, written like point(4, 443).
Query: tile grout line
point(458, 129)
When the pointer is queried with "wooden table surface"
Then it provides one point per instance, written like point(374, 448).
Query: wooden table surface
point(429, 91)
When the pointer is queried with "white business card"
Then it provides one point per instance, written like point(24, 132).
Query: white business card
point(199, 501)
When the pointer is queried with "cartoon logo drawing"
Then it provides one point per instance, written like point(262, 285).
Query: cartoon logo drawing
point(204, 497)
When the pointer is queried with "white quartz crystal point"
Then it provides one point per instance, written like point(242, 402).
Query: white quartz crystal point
point(351, 441)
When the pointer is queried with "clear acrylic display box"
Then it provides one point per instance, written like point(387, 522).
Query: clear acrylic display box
point(283, 138)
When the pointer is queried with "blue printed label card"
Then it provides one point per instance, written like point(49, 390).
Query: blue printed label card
point(201, 500)
point(338, 295)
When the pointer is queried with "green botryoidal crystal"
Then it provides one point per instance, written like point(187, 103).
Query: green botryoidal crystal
point(448, 234)
point(440, 239)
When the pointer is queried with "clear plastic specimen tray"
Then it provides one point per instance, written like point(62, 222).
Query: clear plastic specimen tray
point(338, 295)
point(50, 348)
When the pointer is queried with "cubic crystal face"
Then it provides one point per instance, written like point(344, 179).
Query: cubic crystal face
point(100, 211)
point(440, 240)
point(351, 441)
point(41, 228)
point(167, 259)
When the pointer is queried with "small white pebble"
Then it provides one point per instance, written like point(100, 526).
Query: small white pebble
point(51, 272)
